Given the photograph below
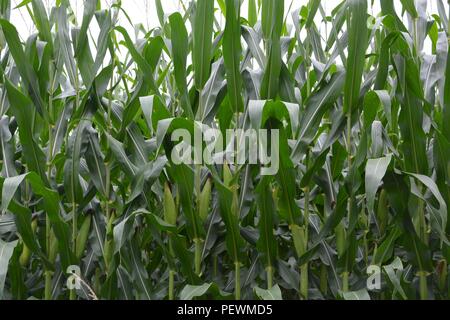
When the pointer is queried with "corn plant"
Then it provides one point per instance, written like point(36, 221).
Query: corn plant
point(94, 206)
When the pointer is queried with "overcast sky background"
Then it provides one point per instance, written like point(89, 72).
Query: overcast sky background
point(144, 12)
point(141, 11)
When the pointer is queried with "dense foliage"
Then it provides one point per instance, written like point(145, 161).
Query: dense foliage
point(361, 100)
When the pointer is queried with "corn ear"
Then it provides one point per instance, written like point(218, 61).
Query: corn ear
point(205, 200)
point(170, 210)
point(83, 235)
point(26, 252)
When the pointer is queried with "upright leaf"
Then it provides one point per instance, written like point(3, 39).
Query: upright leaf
point(231, 54)
point(180, 47)
point(357, 45)
point(202, 41)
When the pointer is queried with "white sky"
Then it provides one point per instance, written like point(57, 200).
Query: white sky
point(143, 11)
point(140, 11)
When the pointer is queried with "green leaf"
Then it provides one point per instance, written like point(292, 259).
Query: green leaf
point(252, 13)
point(410, 6)
point(313, 6)
point(375, 171)
point(6, 144)
point(6, 251)
point(202, 41)
point(76, 149)
point(398, 195)
point(138, 271)
point(184, 177)
point(374, 102)
point(270, 84)
point(385, 250)
point(441, 150)
point(65, 46)
point(392, 270)
point(190, 292)
point(51, 206)
point(180, 47)
point(410, 121)
point(267, 243)
point(83, 51)
point(272, 294)
point(186, 259)
point(268, 7)
point(357, 39)
point(123, 230)
point(356, 295)
point(316, 106)
point(260, 111)
point(22, 108)
point(42, 22)
point(231, 54)
point(446, 107)
point(154, 111)
point(209, 98)
point(23, 65)
point(253, 40)
point(121, 156)
point(160, 12)
point(234, 239)
point(388, 8)
point(95, 162)
point(146, 71)
point(438, 215)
